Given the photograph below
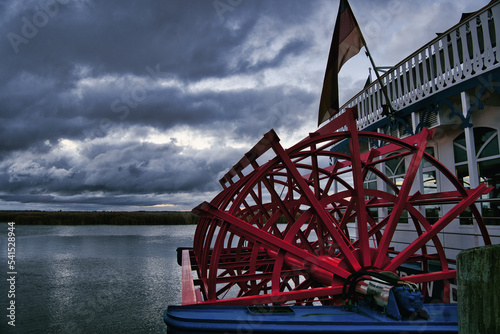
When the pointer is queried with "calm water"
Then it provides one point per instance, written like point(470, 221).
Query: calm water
point(92, 279)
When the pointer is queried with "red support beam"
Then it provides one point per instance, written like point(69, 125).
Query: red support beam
point(401, 200)
point(359, 194)
point(280, 298)
point(436, 227)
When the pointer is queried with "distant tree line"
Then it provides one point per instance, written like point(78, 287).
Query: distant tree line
point(98, 218)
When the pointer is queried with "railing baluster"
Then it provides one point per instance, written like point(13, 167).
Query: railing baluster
point(432, 68)
point(448, 61)
point(400, 93)
point(394, 96)
point(371, 106)
point(410, 82)
point(476, 50)
point(448, 74)
point(489, 56)
point(466, 60)
point(426, 60)
point(404, 78)
point(362, 115)
point(457, 66)
point(419, 67)
point(439, 72)
point(381, 97)
point(496, 22)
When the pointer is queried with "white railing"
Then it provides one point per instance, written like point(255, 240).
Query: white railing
point(463, 52)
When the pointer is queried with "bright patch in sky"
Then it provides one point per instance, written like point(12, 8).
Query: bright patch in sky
point(163, 205)
point(68, 145)
point(184, 136)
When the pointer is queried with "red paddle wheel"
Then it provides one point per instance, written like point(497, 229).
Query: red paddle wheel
point(293, 229)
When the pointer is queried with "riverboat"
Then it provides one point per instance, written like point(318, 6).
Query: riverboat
point(402, 179)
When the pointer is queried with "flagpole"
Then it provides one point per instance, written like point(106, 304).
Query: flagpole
point(384, 90)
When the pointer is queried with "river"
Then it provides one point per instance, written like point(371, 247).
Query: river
point(91, 279)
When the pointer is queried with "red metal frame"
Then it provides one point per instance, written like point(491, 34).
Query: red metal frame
point(278, 233)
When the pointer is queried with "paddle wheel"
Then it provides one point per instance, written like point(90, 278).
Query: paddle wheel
point(293, 229)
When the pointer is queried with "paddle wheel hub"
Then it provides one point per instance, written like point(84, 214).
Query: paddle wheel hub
point(292, 229)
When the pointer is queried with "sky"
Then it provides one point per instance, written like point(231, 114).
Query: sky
point(122, 105)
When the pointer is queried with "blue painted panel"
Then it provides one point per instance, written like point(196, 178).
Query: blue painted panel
point(304, 319)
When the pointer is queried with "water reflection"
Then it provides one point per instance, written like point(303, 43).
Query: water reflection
point(98, 279)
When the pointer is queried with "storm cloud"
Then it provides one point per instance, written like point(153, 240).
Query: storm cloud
point(142, 105)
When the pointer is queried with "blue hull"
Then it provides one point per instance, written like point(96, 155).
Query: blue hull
point(304, 319)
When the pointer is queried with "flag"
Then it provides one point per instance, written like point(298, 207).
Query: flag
point(346, 42)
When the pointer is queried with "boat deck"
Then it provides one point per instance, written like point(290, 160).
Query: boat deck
point(303, 319)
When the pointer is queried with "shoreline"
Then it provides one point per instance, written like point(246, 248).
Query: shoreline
point(98, 218)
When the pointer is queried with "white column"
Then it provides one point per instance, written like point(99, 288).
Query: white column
point(470, 144)
point(471, 156)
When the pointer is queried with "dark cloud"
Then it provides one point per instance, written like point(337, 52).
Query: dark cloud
point(126, 36)
point(127, 104)
point(111, 170)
